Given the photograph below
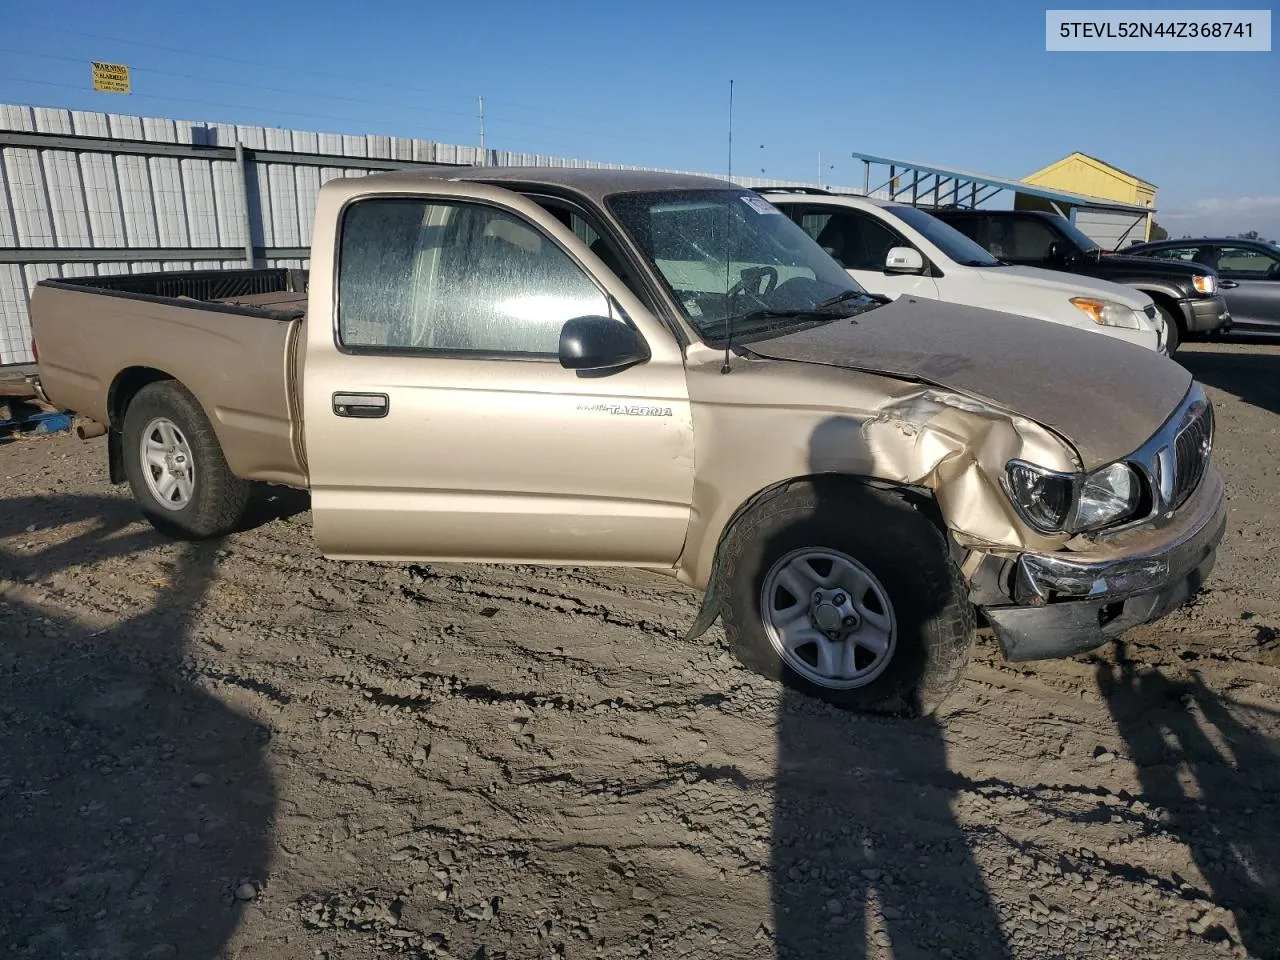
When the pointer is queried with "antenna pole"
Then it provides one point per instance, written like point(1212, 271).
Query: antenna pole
point(730, 130)
point(482, 130)
point(819, 168)
point(728, 247)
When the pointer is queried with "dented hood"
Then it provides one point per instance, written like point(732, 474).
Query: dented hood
point(1104, 396)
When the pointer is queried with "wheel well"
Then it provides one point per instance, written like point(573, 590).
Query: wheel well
point(920, 498)
point(126, 386)
point(119, 395)
point(1170, 305)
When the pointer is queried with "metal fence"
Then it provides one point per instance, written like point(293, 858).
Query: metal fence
point(84, 194)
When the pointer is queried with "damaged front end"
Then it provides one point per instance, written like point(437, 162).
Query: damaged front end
point(1050, 579)
point(1042, 605)
point(1055, 593)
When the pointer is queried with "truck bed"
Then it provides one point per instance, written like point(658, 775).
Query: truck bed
point(275, 293)
point(229, 336)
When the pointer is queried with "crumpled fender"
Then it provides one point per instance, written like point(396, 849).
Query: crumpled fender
point(913, 435)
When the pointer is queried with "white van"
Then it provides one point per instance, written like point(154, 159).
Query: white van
point(895, 249)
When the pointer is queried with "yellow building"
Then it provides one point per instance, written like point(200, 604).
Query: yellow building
point(1081, 173)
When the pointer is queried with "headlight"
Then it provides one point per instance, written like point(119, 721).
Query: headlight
point(1041, 496)
point(1062, 502)
point(1105, 313)
point(1205, 283)
point(1107, 495)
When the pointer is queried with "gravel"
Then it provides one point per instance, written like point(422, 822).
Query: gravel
point(242, 749)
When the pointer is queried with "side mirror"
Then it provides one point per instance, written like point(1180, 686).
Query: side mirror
point(1060, 252)
point(600, 343)
point(904, 260)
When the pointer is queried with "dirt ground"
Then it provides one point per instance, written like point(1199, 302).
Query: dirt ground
point(243, 750)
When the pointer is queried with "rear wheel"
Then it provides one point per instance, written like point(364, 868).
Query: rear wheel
point(175, 465)
point(848, 594)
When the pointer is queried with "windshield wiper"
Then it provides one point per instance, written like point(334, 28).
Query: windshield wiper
point(844, 295)
point(820, 311)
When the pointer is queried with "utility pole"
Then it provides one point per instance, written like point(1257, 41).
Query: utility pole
point(484, 156)
point(819, 168)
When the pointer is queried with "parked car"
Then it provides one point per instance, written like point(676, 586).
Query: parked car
point(1248, 275)
point(896, 249)
point(1186, 294)
point(609, 367)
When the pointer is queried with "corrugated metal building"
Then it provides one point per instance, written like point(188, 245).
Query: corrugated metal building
point(84, 193)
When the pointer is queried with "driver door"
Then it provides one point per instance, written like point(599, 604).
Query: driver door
point(439, 423)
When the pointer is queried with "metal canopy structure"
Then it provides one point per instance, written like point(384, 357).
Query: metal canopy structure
point(924, 184)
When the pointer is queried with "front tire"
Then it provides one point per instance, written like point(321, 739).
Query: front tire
point(175, 466)
point(847, 593)
point(1173, 335)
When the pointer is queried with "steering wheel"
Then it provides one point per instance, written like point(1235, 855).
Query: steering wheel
point(763, 279)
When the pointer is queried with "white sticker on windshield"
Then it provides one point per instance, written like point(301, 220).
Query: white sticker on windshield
point(759, 204)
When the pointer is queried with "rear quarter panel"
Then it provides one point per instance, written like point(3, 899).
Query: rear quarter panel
point(239, 367)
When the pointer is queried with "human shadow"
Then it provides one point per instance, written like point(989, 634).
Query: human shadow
point(1226, 813)
point(867, 856)
point(866, 852)
point(1254, 378)
point(133, 805)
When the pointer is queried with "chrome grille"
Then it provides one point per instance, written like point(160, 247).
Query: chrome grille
point(1191, 448)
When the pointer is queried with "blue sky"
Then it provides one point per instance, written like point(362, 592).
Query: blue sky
point(968, 86)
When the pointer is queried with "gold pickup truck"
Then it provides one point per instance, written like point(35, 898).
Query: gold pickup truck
point(605, 367)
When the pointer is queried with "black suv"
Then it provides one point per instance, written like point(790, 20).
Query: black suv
point(1186, 294)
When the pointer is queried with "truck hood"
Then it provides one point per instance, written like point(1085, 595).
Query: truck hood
point(1103, 396)
point(1155, 265)
point(1066, 284)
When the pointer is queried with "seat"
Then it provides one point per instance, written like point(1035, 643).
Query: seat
point(834, 239)
point(1207, 256)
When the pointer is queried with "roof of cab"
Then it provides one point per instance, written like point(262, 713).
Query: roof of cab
point(593, 183)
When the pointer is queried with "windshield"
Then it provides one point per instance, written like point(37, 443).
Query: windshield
point(731, 255)
point(945, 237)
point(1081, 240)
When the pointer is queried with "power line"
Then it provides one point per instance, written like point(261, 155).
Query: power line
point(185, 51)
point(306, 93)
point(240, 83)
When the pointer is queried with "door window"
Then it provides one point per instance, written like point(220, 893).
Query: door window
point(455, 277)
point(854, 240)
point(1173, 253)
point(1245, 263)
point(1019, 238)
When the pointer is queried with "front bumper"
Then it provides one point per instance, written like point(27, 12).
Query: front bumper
point(1205, 314)
point(1065, 606)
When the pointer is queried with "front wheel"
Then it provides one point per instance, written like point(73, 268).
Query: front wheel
point(848, 594)
point(175, 465)
point(1173, 336)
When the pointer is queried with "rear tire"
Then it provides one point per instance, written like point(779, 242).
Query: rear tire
point(175, 465)
point(904, 628)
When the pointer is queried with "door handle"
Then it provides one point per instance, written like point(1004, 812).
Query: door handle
point(361, 405)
